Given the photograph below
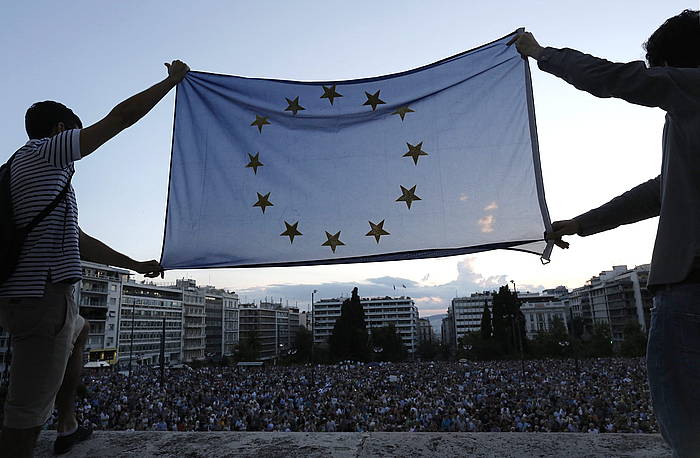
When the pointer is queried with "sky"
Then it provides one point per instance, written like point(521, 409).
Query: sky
point(92, 55)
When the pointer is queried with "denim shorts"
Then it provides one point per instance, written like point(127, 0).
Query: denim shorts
point(43, 331)
point(673, 365)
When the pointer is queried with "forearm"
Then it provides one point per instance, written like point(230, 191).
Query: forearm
point(637, 204)
point(93, 250)
point(137, 106)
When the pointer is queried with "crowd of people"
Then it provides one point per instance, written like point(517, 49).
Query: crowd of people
point(606, 395)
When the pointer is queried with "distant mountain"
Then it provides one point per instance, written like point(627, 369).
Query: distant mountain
point(436, 322)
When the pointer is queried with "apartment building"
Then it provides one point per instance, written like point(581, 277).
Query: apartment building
point(379, 311)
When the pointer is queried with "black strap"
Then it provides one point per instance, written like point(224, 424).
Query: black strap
point(57, 200)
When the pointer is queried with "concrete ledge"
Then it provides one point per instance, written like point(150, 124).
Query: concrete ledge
point(259, 444)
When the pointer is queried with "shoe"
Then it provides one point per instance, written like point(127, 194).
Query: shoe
point(64, 444)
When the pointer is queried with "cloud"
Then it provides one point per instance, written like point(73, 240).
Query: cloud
point(491, 206)
point(486, 223)
point(463, 197)
point(430, 299)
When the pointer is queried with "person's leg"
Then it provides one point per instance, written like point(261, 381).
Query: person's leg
point(673, 363)
point(18, 443)
point(38, 327)
point(65, 399)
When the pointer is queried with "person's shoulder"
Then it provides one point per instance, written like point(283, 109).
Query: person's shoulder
point(32, 145)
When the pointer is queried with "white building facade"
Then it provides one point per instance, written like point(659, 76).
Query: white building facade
point(98, 295)
point(379, 311)
point(466, 313)
point(142, 311)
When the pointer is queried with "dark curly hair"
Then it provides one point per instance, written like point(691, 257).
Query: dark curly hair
point(42, 117)
point(676, 43)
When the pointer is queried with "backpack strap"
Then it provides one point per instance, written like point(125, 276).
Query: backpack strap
point(49, 208)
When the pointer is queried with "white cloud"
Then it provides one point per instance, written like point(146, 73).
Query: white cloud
point(463, 197)
point(486, 223)
point(430, 299)
point(492, 206)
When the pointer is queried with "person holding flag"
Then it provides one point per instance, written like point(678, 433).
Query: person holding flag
point(671, 81)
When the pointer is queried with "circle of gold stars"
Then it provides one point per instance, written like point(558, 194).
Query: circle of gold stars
point(263, 201)
point(293, 105)
point(373, 100)
point(291, 231)
point(254, 162)
point(377, 230)
point(415, 151)
point(408, 196)
point(260, 121)
point(333, 240)
point(330, 93)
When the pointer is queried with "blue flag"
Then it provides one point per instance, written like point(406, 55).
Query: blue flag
point(436, 161)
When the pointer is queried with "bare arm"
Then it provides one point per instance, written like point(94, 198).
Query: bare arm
point(130, 111)
point(93, 250)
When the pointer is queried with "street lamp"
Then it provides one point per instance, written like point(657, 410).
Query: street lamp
point(520, 338)
point(564, 344)
point(313, 325)
point(468, 348)
point(131, 344)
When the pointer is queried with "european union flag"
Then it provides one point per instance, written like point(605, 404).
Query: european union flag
point(436, 161)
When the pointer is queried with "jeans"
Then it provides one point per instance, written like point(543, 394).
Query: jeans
point(673, 365)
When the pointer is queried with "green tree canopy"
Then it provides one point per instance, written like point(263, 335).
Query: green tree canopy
point(635, 340)
point(349, 337)
point(486, 327)
point(386, 344)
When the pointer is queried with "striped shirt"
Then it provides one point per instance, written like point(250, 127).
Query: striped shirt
point(51, 251)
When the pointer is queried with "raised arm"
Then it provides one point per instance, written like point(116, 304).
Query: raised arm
point(93, 250)
point(637, 204)
point(130, 111)
point(670, 88)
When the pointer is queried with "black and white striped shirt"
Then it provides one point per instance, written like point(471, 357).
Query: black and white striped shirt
point(40, 171)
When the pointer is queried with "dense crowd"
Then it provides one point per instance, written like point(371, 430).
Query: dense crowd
point(608, 395)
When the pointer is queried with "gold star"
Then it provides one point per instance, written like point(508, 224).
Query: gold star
point(333, 240)
point(401, 111)
point(294, 105)
point(409, 195)
point(254, 162)
point(373, 100)
point(377, 230)
point(291, 231)
point(330, 93)
point(263, 201)
point(260, 121)
point(415, 152)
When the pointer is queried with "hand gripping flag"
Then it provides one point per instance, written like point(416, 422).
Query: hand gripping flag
point(437, 161)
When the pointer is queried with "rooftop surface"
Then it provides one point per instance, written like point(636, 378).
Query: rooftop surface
point(340, 445)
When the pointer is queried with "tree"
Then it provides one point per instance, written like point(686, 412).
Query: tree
point(577, 327)
point(473, 346)
point(486, 328)
point(635, 341)
point(304, 343)
point(508, 320)
point(389, 344)
point(249, 348)
point(547, 343)
point(428, 350)
point(349, 337)
point(601, 341)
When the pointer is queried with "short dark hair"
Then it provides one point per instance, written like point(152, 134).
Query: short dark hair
point(42, 117)
point(676, 43)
